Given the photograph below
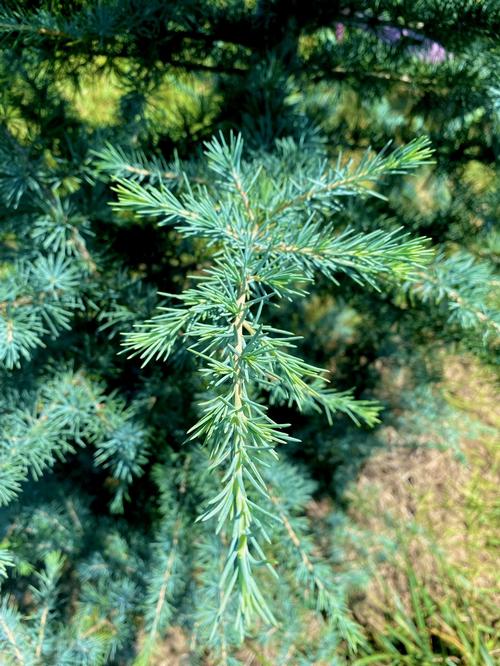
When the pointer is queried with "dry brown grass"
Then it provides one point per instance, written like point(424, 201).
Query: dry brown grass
point(427, 500)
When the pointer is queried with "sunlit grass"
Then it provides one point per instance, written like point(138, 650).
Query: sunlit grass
point(435, 597)
point(173, 105)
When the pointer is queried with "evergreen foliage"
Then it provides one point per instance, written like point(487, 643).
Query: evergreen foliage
point(198, 293)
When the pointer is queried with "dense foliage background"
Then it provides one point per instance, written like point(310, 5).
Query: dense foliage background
point(102, 558)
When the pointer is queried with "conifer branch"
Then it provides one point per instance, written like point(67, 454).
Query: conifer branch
point(164, 584)
point(9, 634)
point(95, 628)
point(119, 163)
point(347, 180)
point(294, 538)
point(70, 410)
point(261, 260)
point(41, 631)
point(466, 285)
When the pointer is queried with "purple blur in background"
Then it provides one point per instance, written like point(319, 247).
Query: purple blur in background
point(426, 50)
